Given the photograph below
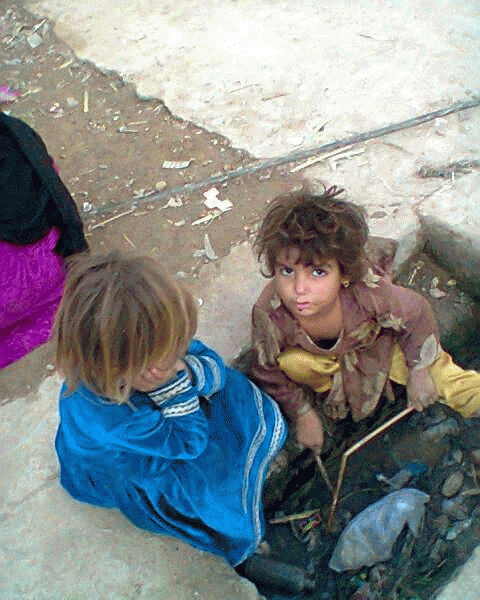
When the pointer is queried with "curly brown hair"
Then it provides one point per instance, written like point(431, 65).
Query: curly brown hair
point(119, 314)
point(319, 225)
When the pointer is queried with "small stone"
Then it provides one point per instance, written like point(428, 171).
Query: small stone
point(452, 484)
point(458, 528)
point(160, 185)
point(441, 524)
point(453, 507)
point(50, 367)
point(475, 456)
point(440, 430)
point(457, 456)
point(438, 551)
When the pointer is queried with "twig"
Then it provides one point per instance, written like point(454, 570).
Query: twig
point(127, 239)
point(472, 492)
point(127, 212)
point(353, 449)
point(323, 471)
point(295, 517)
point(474, 477)
point(315, 159)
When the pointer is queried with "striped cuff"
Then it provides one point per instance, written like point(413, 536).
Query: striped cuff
point(179, 385)
point(182, 408)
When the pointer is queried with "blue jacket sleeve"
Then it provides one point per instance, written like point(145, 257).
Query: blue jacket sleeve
point(207, 369)
point(178, 430)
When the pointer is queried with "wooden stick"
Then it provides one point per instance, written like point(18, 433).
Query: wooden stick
point(127, 212)
point(353, 449)
point(323, 471)
point(295, 517)
point(314, 159)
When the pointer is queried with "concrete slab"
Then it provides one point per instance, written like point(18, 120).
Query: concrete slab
point(451, 222)
point(274, 75)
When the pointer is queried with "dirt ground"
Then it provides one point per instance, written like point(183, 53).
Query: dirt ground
point(110, 148)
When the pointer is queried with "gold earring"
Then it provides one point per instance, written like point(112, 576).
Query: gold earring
point(345, 283)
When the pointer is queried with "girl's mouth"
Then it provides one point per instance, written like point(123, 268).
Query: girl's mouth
point(302, 305)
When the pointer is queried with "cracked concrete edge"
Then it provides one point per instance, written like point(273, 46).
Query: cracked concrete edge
point(455, 251)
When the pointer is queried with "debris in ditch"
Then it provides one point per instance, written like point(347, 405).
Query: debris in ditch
point(458, 528)
point(174, 202)
point(7, 94)
point(434, 290)
point(452, 484)
point(369, 538)
point(34, 40)
point(288, 578)
point(207, 219)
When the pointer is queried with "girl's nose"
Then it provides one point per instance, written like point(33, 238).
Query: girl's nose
point(301, 286)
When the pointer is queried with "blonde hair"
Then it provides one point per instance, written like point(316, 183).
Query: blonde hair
point(119, 314)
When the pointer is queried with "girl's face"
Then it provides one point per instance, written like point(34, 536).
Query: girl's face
point(308, 291)
point(154, 376)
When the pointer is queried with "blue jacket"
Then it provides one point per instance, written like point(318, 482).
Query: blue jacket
point(188, 460)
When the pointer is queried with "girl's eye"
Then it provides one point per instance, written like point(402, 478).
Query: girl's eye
point(285, 270)
point(318, 272)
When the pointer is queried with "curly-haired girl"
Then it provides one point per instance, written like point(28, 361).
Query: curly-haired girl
point(331, 329)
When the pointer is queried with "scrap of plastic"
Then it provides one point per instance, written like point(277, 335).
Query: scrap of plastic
point(212, 200)
point(369, 537)
point(7, 94)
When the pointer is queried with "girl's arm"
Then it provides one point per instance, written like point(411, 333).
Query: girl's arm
point(413, 318)
point(207, 369)
point(267, 340)
point(419, 341)
point(179, 429)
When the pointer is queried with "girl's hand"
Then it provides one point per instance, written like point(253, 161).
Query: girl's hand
point(152, 378)
point(420, 389)
point(309, 430)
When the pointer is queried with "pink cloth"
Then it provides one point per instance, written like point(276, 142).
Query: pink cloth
point(31, 286)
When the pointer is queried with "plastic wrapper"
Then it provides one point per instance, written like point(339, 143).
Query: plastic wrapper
point(370, 536)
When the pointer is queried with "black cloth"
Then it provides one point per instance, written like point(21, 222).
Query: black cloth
point(33, 198)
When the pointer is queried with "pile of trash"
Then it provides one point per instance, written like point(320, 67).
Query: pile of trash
point(407, 516)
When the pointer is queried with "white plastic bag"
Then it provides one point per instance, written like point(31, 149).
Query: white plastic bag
point(369, 537)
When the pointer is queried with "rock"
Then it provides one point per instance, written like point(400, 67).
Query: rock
point(452, 484)
point(454, 508)
point(441, 524)
point(438, 551)
point(457, 529)
point(457, 456)
point(437, 432)
point(475, 456)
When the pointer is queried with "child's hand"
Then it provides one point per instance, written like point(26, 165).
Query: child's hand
point(152, 378)
point(420, 389)
point(309, 430)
